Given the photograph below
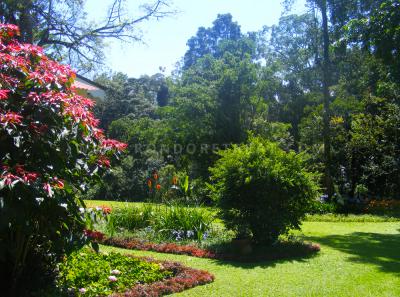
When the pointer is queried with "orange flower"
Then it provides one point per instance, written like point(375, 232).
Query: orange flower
point(155, 175)
point(158, 187)
point(149, 183)
point(174, 180)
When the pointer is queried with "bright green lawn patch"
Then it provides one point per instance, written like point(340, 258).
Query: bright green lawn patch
point(114, 204)
point(93, 274)
point(356, 259)
point(332, 217)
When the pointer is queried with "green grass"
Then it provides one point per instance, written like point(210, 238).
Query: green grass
point(310, 218)
point(356, 259)
point(331, 217)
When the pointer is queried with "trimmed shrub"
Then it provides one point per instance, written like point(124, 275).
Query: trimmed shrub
point(262, 190)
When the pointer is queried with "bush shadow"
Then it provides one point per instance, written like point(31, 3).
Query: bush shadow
point(267, 256)
point(381, 250)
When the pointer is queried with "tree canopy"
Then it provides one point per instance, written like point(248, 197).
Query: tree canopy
point(61, 27)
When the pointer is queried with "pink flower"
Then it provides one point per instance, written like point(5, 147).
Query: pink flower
point(82, 290)
point(47, 188)
point(4, 94)
point(112, 278)
point(115, 272)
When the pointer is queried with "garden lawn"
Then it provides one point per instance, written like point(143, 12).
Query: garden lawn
point(356, 259)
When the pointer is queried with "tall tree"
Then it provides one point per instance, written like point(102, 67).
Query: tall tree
point(208, 40)
point(60, 26)
point(326, 83)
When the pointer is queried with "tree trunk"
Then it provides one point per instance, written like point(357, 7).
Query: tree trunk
point(327, 114)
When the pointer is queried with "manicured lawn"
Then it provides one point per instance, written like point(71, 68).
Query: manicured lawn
point(356, 259)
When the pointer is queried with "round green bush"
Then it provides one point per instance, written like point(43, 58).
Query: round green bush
point(262, 190)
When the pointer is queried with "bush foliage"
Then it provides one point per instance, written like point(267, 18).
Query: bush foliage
point(170, 222)
point(262, 190)
point(50, 150)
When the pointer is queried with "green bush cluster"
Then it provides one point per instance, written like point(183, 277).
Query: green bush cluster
point(262, 190)
point(168, 221)
point(94, 274)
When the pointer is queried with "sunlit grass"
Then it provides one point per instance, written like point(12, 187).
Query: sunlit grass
point(356, 259)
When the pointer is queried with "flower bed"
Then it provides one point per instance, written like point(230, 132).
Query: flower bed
point(171, 248)
point(281, 250)
point(86, 273)
point(185, 278)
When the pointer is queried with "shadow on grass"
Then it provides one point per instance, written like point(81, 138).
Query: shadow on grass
point(266, 256)
point(381, 250)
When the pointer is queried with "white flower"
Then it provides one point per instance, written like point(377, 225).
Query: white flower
point(64, 205)
point(81, 209)
point(39, 200)
point(98, 208)
point(115, 272)
point(112, 278)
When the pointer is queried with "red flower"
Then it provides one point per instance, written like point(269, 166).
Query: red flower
point(103, 161)
point(158, 187)
point(9, 30)
point(30, 177)
point(95, 235)
point(10, 179)
point(38, 128)
point(155, 175)
point(106, 209)
point(58, 183)
point(113, 144)
point(10, 117)
point(4, 94)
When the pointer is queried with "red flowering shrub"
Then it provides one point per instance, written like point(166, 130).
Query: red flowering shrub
point(50, 150)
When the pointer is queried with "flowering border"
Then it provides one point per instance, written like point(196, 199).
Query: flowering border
point(304, 249)
point(169, 248)
point(184, 278)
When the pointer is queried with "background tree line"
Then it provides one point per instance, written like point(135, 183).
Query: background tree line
point(325, 82)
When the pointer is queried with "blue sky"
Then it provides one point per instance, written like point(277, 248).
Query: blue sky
point(165, 39)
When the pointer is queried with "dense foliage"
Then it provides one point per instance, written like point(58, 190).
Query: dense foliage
point(326, 87)
point(168, 222)
point(50, 151)
point(262, 190)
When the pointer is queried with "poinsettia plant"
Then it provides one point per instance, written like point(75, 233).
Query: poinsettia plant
point(50, 151)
